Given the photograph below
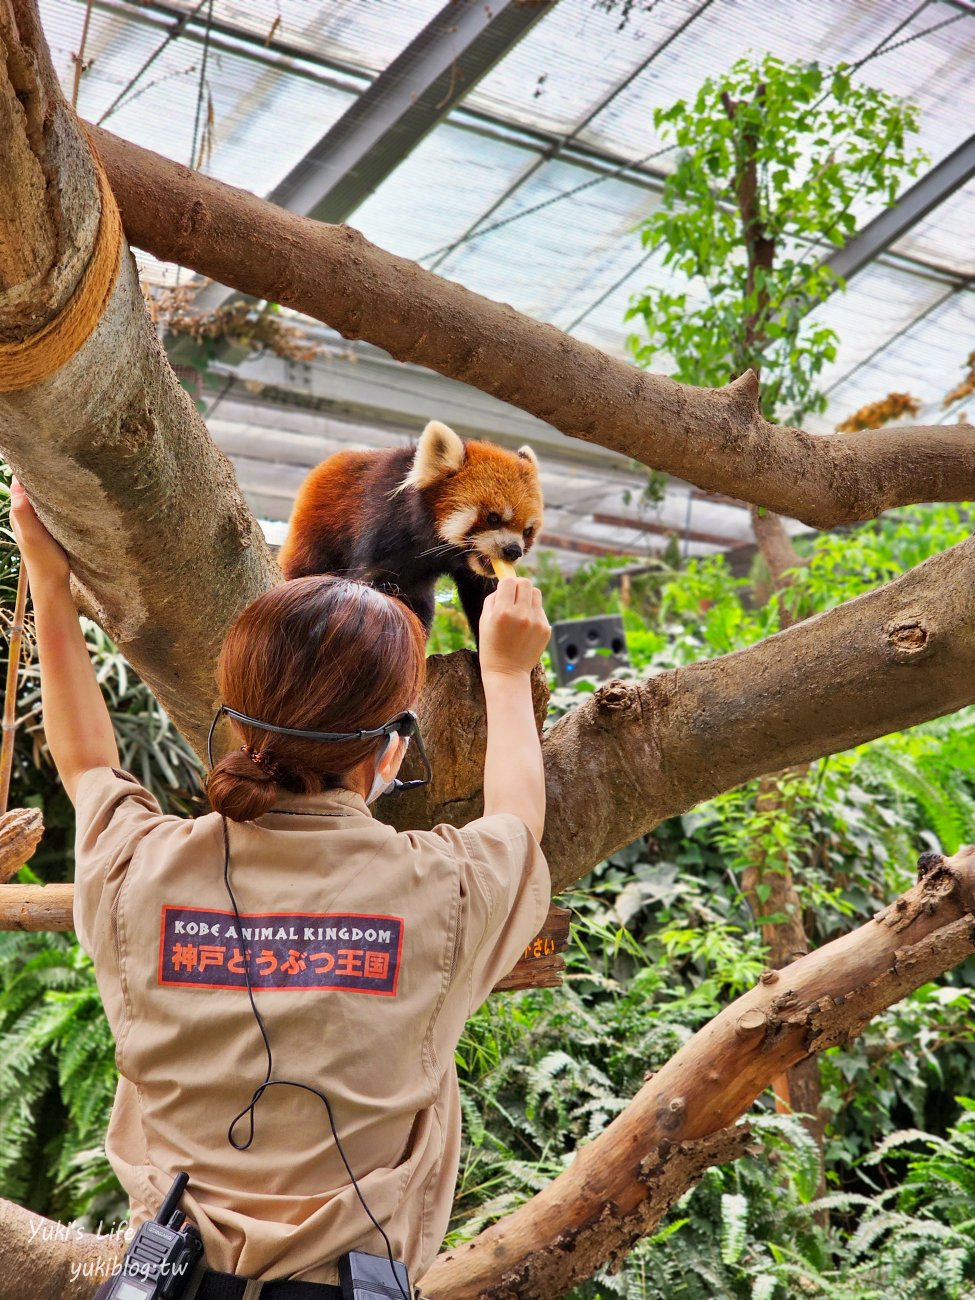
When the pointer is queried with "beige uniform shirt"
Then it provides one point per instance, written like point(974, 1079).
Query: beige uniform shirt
point(370, 948)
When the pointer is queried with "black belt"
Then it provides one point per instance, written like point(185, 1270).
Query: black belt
point(226, 1286)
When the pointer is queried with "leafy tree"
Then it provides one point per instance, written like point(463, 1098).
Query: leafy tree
point(774, 158)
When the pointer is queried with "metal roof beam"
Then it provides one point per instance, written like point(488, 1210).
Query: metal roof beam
point(389, 119)
point(393, 114)
point(894, 222)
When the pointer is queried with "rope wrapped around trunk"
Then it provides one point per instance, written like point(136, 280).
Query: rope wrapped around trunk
point(34, 358)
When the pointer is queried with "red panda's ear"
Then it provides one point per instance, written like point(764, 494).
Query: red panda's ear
point(526, 453)
point(439, 452)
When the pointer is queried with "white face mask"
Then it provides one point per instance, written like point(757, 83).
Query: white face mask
point(379, 785)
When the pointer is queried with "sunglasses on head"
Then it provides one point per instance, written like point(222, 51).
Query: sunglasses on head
point(405, 724)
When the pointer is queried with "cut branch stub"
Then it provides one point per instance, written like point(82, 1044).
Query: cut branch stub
point(20, 833)
point(542, 965)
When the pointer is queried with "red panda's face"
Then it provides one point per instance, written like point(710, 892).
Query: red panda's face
point(486, 500)
point(491, 507)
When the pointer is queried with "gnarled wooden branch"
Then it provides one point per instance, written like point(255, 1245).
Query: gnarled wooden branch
point(716, 439)
point(620, 1185)
point(597, 1208)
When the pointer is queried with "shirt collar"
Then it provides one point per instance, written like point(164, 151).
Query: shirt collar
point(339, 802)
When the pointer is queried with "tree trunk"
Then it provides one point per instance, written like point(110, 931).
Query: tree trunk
point(620, 1185)
point(109, 447)
point(797, 1091)
point(715, 439)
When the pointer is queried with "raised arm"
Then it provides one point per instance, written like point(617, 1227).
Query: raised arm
point(513, 633)
point(76, 722)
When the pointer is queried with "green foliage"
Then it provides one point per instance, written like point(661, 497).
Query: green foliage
point(663, 939)
point(844, 564)
point(592, 589)
point(57, 1076)
point(804, 146)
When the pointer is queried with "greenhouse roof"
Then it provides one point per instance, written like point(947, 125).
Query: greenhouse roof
point(511, 146)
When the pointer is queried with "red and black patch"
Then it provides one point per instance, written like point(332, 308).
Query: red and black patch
point(201, 948)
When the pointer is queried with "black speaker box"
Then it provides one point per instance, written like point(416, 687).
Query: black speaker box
point(579, 647)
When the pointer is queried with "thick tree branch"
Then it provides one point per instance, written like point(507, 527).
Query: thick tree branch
point(636, 753)
point(620, 1185)
point(716, 439)
point(44, 1260)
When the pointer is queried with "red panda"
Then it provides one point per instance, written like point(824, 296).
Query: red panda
point(400, 518)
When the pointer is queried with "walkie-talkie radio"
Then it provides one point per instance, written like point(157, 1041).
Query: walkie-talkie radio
point(159, 1263)
point(372, 1277)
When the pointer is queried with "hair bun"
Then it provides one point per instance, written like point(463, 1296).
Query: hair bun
point(320, 653)
point(244, 784)
point(239, 787)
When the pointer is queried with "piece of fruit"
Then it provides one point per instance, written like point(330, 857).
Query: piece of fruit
point(503, 569)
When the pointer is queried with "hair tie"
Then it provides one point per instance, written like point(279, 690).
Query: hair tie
point(265, 763)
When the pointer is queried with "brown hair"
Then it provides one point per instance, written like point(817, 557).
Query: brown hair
point(320, 653)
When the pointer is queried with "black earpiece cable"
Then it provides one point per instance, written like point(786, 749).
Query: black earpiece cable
point(290, 1083)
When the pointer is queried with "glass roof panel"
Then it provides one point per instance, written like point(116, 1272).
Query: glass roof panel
point(925, 60)
point(264, 118)
point(577, 257)
point(571, 60)
point(367, 36)
point(927, 360)
point(552, 262)
point(414, 212)
point(933, 69)
point(879, 303)
point(603, 307)
point(947, 236)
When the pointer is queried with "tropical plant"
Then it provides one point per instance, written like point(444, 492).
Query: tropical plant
point(663, 939)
